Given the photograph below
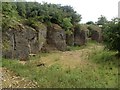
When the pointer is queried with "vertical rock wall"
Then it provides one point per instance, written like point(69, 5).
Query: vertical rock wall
point(21, 41)
point(56, 37)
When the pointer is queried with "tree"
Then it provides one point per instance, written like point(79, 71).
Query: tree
point(9, 15)
point(112, 36)
point(102, 20)
point(70, 13)
point(67, 23)
point(21, 9)
point(90, 22)
point(7, 9)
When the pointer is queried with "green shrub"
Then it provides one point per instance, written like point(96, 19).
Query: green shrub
point(112, 36)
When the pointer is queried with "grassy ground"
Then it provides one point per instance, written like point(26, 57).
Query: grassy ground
point(88, 67)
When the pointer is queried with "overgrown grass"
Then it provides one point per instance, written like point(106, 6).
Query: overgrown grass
point(102, 74)
point(57, 77)
point(105, 58)
point(108, 63)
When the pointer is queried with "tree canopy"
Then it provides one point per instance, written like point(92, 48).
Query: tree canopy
point(102, 20)
point(65, 16)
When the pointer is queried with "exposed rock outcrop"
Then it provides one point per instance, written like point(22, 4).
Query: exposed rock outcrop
point(96, 33)
point(70, 39)
point(19, 42)
point(56, 37)
point(15, 43)
point(80, 35)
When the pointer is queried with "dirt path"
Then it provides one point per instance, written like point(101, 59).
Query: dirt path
point(73, 59)
point(11, 80)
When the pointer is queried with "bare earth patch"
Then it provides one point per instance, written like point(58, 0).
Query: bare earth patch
point(11, 80)
point(72, 59)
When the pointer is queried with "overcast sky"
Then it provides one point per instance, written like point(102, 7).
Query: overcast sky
point(90, 9)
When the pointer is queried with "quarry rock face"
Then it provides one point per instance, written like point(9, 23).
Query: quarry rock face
point(83, 37)
point(56, 37)
point(70, 39)
point(42, 34)
point(96, 36)
point(16, 42)
point(22, 41)
point(80, 36)
point(32, 39)
point(96, 33)
point(36, 39)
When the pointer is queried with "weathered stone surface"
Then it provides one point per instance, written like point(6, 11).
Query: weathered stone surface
point(36, 39)
point(33, 44)
point(96, 36)
point(16, 44)
point(21, 41)
point(95, 33)
point(42, 37)
point(70, 40)
point(56, 37)
point(80, 36)
point(6, 45)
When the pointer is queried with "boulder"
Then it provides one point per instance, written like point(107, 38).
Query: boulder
point(36, 39)
point(21, 41)
point(16, 42)
point(56, 37)
point(96, 33)
point(70, 37)
point(42, 34)
point(80, 35)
